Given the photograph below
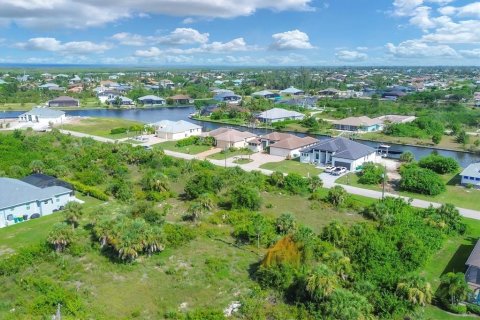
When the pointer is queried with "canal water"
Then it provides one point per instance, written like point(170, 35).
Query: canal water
point(182, 113)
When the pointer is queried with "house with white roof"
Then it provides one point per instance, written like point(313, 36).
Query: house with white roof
point(42, 116)
point(152, 100)
point(20, 201)
point(293, 91)
point(279, 114)
point(176, 130)
point(471, 175)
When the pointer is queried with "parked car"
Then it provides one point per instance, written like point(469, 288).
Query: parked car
point(329, 169)
point(338, 171)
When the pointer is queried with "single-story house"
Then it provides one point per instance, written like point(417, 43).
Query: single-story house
point(293, 91)
point(64, 101)
point(291, 146)
point(22, 201)
point(330, 92)
point(471, 175)
point(279, 114)
point(339, 152)
point(395, 118)
point(472, 275)
point(42, 115)
point(181, 99)
point(123, 101)
point(228, 97)
point(362, 123)
point(152, 100)
point(304, 102)
point(48, 86)
point(273, 137)
point(176, 130)
point(42, 181)
point(266, 94)
point(231, 138)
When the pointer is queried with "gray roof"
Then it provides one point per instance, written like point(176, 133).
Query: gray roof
point(151, 97)
point(262, 93)
point(343, 148)
point(175, 127)
point(278, 113)
point(44, 113)
point(15, 192)
point(292, 90)
point(474, 258)
point(473, 170)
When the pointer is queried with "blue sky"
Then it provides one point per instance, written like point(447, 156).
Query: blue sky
point(241, 32)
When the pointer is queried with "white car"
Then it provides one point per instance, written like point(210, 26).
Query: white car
point(329, 169)
point(338, 171)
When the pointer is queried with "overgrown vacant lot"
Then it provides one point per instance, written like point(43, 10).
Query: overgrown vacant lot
point(102, 127)
point(455, 193)
point(190, 149)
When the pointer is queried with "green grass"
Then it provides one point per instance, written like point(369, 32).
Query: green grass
point(102, 126)
point(242, 161)
point(33, 231)
point(192, 149)
point(292, 166)
point(454, 194)
point(228, 154)
point(17, 106)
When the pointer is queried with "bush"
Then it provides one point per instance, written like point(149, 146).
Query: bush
point(177, 235)
point(337, 196)
point(439, 164)
point(118, 130)
point(204, 182)
point(371, 174)
point(244, 197)
point(295, 183)
point(423, 181)
point(89, 191)
point(473, 308)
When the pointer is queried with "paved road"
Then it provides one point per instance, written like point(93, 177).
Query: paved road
point(328, 180)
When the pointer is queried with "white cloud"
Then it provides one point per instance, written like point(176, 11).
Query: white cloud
point(351, 56)
point(404, 8)
point(179, 36)
point(87, 13)
point(419, 49)
point(471, 54)
point(148, 53)
point(54, 45)
point(469, 10)
point(448, 31)
point(290, 40)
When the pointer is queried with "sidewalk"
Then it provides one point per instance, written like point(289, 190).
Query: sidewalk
point(328, 180)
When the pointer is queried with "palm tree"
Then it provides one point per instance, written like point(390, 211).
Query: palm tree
point(153, 241)
point(73, 212)
point(105, 231)
point(340, 264)
point(60, 236)
point(454, 287)
point(315, 183)
point(416, 290)
point(196, 210)
point(156, 181)
point(321, 283)
point(37, 166)
point(206, 201)
point(334, 232)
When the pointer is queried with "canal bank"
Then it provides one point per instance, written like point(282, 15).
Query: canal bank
point(176, 113)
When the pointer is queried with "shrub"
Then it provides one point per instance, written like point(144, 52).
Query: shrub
point(423, 181)
point(337, 196)
point(407, 156)
point(204, 182)
point(295, 183)
point(244, 197)
point(439, 164)
point(177, 235)
point(473, 308)
point(371, 174)
point(118, 130)
point(89, 191)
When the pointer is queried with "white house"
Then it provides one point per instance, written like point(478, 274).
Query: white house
point(278, 114)
point(293, 91)
point(42, 116)
point(339, 152)
point(291, 146)
point(171, 130)
point(152, 100)
point(20, 201)
point(231, 138)
point(471, 175)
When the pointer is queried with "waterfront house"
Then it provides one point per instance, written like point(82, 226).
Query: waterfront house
point(279, 114)
point(151, 100)
point(22, 201)
point(64, 101)
point(176, 130)
point(339, 152)
point(471, 175)
point(181, 99)
point(362, 123)
point(228, 97)
point(120, 100)
point(42, 116)
point(290, 147)
point(472, 275)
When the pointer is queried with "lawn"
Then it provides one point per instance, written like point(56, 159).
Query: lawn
point(451, 258)
point(242, 161)
point(191, 149)
point(292, 166)
point(17, 106)
point(455, 194)
point(33, 231)
point(228, 154)
point(102, 126)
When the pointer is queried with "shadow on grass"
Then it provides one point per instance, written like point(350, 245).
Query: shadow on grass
point(454, 181)
point(457, 262)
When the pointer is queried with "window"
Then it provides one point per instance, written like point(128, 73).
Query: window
point(10, 217)
point(472, 178)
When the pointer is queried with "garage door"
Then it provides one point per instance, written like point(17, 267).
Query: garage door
point(342, 164)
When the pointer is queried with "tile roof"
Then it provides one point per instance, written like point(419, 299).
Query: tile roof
point(294, 142)
point(230, 135)
point(358, 121)
point(277, 136)
point(175, 126)
point(15, 192)
point(342, 148)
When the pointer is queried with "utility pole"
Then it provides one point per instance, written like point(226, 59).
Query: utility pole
point(384, 177)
